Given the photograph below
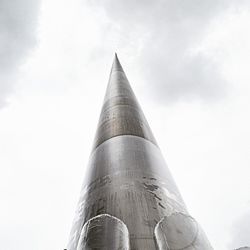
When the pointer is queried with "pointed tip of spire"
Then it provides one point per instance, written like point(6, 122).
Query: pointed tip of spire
point(121, 113)
point(116, 64)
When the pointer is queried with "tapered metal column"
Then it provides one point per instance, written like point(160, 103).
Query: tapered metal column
point(129, 199)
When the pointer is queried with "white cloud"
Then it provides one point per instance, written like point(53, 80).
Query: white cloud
point(240, 231)
point(18, 25)
point(166, 36)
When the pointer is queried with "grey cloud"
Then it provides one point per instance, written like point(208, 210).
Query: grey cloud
point(185, 78)
point(167, 33)
point(240, 232)
point(18, 23)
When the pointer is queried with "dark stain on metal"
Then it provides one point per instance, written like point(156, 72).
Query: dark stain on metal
point(100, 210)
point(157, 197)
point(151, 187)
point(161, 205)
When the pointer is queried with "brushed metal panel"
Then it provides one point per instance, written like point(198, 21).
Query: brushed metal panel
point(129, 179)
point(122, 120)
point(121, 113)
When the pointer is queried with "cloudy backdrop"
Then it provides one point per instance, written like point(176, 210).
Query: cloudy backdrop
point(188, 63)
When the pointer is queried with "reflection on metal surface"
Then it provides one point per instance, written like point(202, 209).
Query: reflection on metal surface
point(104, 232)
point(128, 179)
point(180, 231)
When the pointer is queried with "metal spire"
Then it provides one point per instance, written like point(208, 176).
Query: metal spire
point(121, 113)
point(129, 199)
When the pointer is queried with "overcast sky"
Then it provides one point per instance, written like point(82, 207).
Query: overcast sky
point(188, 63)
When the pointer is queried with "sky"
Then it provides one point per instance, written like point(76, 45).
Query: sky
point(188, 63)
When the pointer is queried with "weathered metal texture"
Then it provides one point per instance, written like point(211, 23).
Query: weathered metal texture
point(128, 177)
point(121, 114)
point(180, 231)
point(104, 232)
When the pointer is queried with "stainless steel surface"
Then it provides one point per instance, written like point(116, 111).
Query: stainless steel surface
point(121, 113)
point(180, 231)
point(129, 179)
point(104, 232)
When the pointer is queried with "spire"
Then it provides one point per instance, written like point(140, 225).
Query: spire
point(129, 199)
point(121, 114)
point(116, 64)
